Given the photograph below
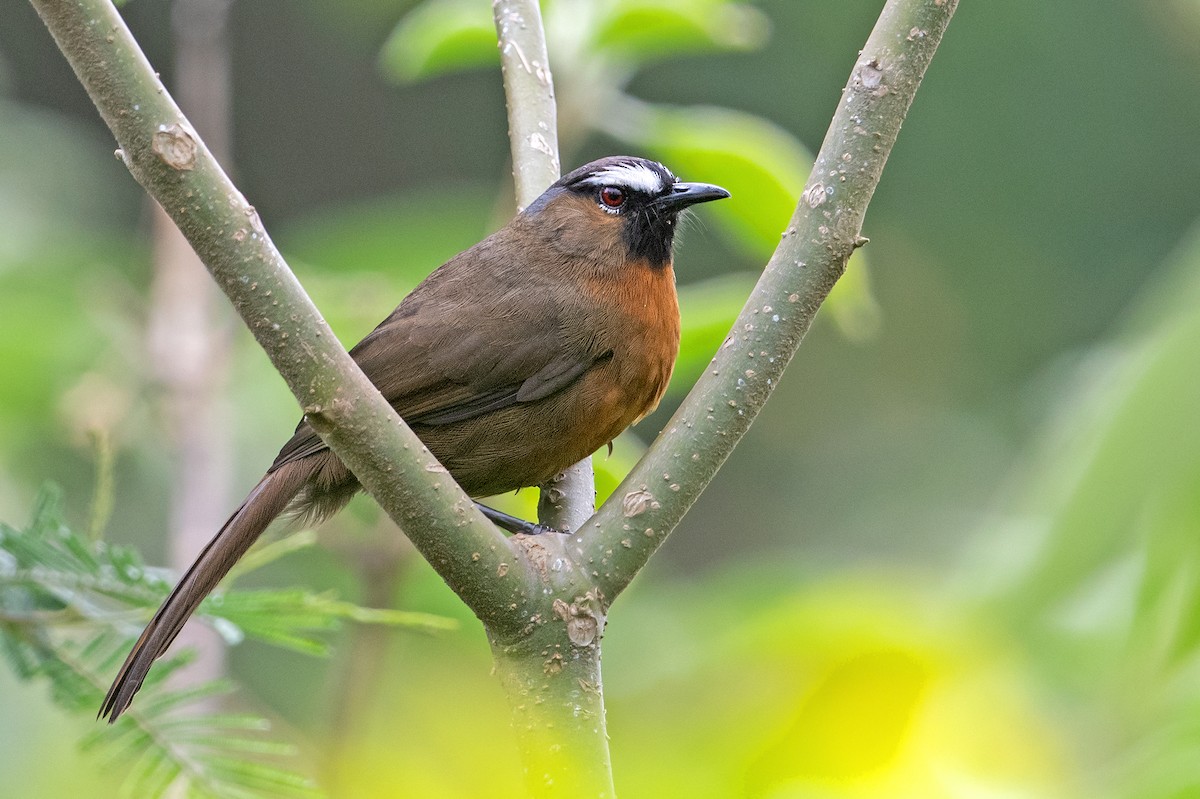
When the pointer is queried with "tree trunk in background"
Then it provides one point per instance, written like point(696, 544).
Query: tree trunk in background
point(188, 331)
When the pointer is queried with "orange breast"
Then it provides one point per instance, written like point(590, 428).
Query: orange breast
point(641, 323)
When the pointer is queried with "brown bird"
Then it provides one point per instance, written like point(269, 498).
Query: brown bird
point(513, 360)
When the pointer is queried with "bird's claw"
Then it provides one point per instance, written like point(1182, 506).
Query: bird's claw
point(513, 524)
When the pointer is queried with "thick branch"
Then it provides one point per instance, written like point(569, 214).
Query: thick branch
point(165, 156)
point(823, 232)
point(556, 694)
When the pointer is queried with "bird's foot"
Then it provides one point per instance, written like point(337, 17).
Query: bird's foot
point(512, 524)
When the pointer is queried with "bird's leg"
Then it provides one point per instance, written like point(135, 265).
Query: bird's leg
point(512, 523)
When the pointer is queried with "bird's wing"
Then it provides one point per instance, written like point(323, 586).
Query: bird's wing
point(445, 355)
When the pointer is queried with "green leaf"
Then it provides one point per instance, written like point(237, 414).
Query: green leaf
point(642, 29)
point(763, 166)
point(440, 36)
point(444, 36)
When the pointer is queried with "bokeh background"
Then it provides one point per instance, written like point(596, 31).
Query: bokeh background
point(958, 555)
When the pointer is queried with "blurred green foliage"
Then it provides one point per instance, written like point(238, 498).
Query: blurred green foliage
point(956, 556)
point(439, 36)
point(65, 616)
point(53, 625)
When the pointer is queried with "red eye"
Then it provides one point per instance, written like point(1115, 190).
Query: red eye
point(612, 196)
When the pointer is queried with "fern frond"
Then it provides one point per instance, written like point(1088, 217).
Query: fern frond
point(70, 608)
point(57, 622)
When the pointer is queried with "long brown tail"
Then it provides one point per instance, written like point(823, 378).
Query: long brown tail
point(268, 499)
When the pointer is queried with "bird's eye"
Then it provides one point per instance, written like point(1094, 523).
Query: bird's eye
point(612, 197)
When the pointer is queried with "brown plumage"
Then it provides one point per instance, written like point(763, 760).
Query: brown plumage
point(513, 360)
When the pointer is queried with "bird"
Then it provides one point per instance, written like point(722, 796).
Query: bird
point(513, 360)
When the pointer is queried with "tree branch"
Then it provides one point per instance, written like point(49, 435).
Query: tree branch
point(529, 90)
point(568, 501)
point(551, 671)
point(824, 230)
point(169, 160)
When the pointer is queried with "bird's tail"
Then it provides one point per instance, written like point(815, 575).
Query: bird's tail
point(268, 499)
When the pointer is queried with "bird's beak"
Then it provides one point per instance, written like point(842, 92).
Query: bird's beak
point(684, 194)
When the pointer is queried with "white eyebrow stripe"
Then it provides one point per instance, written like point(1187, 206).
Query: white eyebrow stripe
point(632, 176)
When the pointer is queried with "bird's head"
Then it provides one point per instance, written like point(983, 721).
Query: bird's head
point(619, 206)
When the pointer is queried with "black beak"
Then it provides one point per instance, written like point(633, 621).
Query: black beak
point(684, 194)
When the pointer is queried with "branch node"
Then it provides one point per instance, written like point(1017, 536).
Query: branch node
point(635, 503)
point(175, 146)
point(584, 622)
point(816, 195)
point(870, 77)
